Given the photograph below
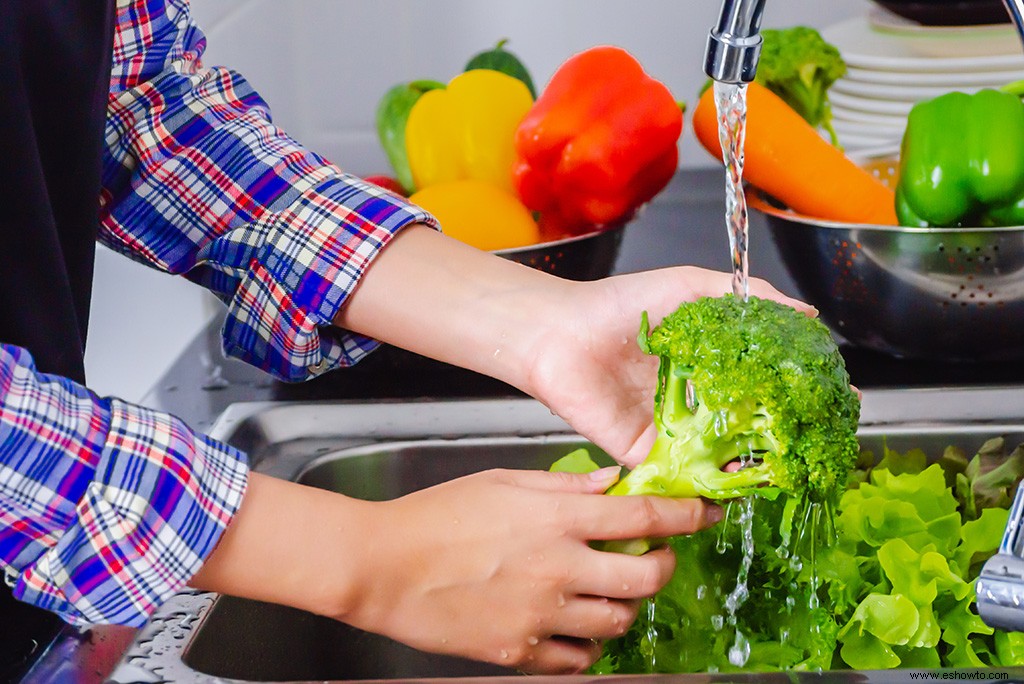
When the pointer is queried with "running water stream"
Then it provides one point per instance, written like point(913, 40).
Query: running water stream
point(731, 104)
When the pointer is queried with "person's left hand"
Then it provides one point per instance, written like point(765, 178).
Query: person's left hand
point(590, 370)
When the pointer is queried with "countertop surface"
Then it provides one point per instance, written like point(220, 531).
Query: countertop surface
point(684, 225)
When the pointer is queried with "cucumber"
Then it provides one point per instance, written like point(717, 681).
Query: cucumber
point(500, 59)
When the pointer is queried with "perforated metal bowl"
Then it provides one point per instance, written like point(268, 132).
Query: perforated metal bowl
point(582, 257)
point(950, 294)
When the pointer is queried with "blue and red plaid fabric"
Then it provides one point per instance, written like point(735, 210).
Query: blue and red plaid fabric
point(199, 182)
point(107, 509)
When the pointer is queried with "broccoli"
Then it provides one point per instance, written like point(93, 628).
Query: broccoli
point(749, 381)
point(799, 66)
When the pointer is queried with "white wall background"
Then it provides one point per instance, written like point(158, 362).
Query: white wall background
point(323, 64)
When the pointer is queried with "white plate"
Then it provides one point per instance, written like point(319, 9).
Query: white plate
point(866, 130)
point(850, 142)
point(855, 116)
point(893, 92)
point(872, 106)
point(866, 49)
point(941, 78)
point(981, 40)
point(874, 152)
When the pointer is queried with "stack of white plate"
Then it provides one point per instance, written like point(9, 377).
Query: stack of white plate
point(893, 63)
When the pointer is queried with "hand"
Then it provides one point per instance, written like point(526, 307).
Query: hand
point(588, 368)
point(496, 567)
point(571, 345)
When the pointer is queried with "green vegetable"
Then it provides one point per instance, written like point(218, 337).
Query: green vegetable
point(800, 66)
point(578, 461)
point(890, 585)
point(962, 161)
point(779, 613)
point(500, 59)
point(754, 380)
point(392, 115)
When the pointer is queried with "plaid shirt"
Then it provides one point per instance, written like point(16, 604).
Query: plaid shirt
point(107, 509)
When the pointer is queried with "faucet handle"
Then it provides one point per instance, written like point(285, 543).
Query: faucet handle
point(1000, 587)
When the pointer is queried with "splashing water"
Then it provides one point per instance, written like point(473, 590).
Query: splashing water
point(731, 104)
point(650, 635)
point(740, 650)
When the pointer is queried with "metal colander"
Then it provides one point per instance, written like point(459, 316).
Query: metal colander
point(950, 294)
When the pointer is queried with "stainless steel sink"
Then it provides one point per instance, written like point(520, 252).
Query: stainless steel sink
point(382, 451)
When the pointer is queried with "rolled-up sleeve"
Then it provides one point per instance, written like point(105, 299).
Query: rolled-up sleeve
point(106, 509)
point(198, 181)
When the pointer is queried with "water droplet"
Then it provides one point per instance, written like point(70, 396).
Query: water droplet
point(504, 654)
point(533, 641)
point(739, 653)
point(561, 600)
point(721, 423)
point(650, 635)
point(717, 622)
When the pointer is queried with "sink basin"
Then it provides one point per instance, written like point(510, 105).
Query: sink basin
point(254, 641)
point(381, 452)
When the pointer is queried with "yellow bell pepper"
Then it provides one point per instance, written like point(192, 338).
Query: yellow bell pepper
point(467, 130)
point(480, 214)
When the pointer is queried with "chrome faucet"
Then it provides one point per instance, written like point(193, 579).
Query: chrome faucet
point(1000, 587)
point(734, 44)
point(1016, 10)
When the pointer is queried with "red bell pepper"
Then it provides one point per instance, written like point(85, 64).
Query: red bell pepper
point(599, 143)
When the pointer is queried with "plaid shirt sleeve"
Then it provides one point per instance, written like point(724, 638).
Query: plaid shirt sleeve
point(106, 509)
point(199, 182)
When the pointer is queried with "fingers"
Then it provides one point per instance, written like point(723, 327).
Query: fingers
point(578, 483)
point(764, 290)
point(608, 518)
point(625, 577)
point(577, 631)
point(716, 284)
point(561, 656)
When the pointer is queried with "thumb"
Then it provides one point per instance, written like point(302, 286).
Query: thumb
point(595, 482)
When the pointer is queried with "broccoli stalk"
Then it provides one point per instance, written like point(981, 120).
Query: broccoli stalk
point(746, 381)
point(799, 66)
point(694, 443)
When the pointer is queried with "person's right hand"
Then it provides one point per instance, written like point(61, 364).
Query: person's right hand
point(496, 566)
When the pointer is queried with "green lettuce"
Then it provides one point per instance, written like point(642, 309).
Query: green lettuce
point(882, 577)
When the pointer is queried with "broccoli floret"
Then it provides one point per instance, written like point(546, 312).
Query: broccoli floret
point(749, 381)
point(799, 66)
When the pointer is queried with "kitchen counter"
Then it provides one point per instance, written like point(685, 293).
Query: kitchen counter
point(684, 225)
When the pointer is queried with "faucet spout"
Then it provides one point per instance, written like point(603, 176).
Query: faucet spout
point(734, 43)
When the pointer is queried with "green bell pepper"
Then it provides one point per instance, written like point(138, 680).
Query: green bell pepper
point(392, 115)
point(962, 161)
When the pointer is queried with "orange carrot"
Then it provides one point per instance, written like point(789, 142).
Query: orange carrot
point(787, 158)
